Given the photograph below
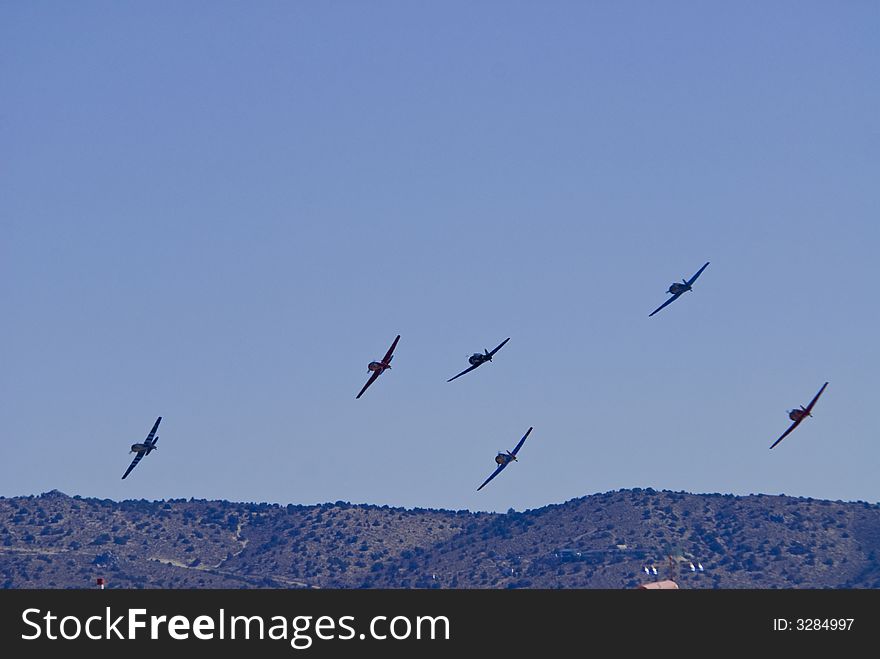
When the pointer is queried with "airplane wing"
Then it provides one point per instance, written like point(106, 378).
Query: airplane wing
point(699, 272)
point(500, 345)
point(815, 398)
point(369, 382)
point(133, 464)
point(494, 474)
point(668, 302)
point(387, 356)
point(790, 428)
point(149, 439)
point(467, 370)
point(521, 442)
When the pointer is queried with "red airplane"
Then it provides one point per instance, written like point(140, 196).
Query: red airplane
point(798, 415)
point(378, 367)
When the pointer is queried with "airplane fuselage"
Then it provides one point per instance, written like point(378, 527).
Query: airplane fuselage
point(137, 448)
point(377, 366)
point(796, 415)
point(504, 458)
point(677, 288)
point(476, 358)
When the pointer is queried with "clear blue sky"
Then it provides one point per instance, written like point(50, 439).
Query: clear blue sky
point(220, 212)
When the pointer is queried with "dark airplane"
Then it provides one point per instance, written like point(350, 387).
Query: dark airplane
point(504, 459)
point(799, 414)
point(480, 358)
point(677, 289)
point(378, 367)
point(147, 447)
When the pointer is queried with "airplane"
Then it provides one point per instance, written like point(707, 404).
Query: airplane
point(798, 415)
point(378, 367)
point(677, 289)
point(478, 359)
point(145, 448)
point(672, 571)
point(504, 459)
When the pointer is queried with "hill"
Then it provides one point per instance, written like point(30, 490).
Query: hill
point(598, 541)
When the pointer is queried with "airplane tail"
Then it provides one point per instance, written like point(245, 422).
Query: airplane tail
point(152, 446)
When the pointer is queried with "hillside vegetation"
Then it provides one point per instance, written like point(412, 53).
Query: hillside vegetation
point(599, 541)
